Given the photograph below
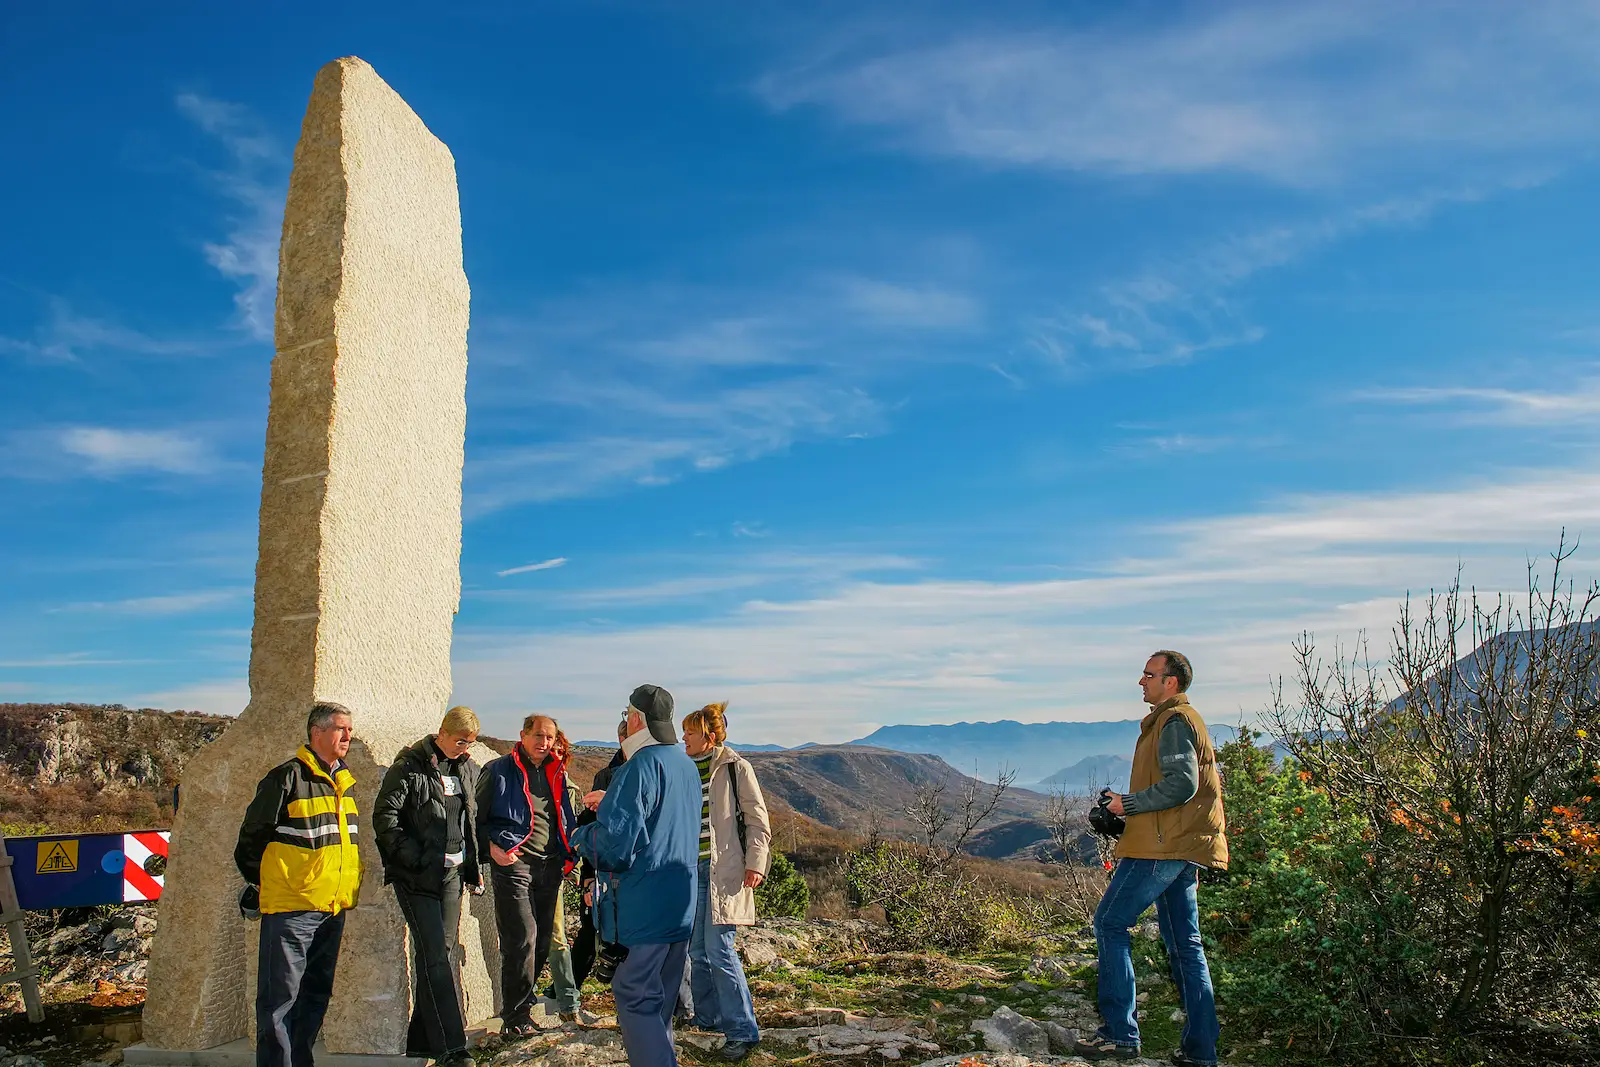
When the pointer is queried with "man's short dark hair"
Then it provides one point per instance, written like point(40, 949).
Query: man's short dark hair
point(1178, 667)
point(322, 713)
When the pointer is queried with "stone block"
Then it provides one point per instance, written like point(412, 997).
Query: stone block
point(358, 572)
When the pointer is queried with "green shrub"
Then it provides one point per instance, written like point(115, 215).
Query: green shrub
point(784, 892)
point(1310, 938)
point(930, 901)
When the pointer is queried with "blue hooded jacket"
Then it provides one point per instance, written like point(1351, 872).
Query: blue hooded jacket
point(505, 807)
point(645, 846)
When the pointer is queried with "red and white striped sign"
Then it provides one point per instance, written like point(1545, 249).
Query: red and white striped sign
point(137, 883)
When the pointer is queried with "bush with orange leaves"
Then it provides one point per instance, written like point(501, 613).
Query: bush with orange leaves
point(1470, 762)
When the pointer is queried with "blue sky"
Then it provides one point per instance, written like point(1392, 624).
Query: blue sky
point(871, 364)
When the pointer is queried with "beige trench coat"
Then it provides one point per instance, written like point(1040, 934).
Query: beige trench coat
point(731, 903)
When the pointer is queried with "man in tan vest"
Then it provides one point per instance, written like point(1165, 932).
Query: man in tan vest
point(1175, 827)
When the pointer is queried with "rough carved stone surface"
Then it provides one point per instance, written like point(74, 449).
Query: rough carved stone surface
point(358, 578)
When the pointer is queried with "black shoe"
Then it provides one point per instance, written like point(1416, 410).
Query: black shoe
point(1182, 1059)
point(462, 1058)
point(734, 1051)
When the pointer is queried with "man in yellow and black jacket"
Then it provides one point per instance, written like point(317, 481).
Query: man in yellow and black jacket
point(297, 851)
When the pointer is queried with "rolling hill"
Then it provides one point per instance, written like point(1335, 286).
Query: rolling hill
point(71, 767)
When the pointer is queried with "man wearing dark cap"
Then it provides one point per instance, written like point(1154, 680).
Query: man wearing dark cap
point(645, 847)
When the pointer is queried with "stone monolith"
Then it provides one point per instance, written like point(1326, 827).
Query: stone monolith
point(358, 573)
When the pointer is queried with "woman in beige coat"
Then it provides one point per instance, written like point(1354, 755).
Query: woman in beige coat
point(732, 865)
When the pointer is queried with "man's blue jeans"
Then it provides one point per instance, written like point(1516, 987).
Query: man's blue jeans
point(721, 994)
point(1169, 885)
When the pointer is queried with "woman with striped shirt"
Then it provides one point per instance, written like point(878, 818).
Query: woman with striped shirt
point(735, 843)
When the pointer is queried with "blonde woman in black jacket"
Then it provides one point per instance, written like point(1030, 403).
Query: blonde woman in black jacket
point(424, 821)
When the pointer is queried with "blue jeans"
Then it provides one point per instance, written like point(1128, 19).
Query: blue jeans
point(721, 994)
point(645, 988)
point(1170, 886)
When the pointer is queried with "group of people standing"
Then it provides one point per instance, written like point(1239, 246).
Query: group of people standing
point(673, 842)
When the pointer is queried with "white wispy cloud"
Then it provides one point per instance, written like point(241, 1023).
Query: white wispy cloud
point(224, 696)
point(918, 307)
point(164, 605)
point(58, 452)
point(255, 179)
point(69, 659)
point(1186, 304)
point(1513, 407)
point(1233, 591)
point(629, 394)
point(65, 335)
point(529, 568)
point(108, 451)
point(1302, 93)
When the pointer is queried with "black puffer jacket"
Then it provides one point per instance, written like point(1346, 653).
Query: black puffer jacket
point(409, 820)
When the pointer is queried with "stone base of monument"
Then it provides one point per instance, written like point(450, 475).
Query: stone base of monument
point(242, 1053)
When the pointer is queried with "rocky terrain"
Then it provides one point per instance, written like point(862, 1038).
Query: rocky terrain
point(69, 767)
point(822, 993)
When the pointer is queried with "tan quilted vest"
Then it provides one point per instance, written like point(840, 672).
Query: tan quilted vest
point(1196, 831)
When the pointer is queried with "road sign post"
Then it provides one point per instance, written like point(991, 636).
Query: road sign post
point(23, 969)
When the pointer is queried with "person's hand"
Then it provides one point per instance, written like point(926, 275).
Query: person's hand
point(753, 879)
point(476, 890)
point(588, 897)
point(501, 856)
point(1115, 805)
point(592, 800)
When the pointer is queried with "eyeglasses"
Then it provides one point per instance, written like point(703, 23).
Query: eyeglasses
point(630, 710)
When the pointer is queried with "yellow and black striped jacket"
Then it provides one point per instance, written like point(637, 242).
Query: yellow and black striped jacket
point(298, 838)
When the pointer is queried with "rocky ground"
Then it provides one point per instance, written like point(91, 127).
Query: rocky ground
point(822, 994)
point(92, 964)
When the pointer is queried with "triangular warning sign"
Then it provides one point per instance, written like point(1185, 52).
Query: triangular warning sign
point(57, 858)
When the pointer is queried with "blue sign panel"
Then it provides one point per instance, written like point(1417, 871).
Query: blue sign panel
point(66, 870)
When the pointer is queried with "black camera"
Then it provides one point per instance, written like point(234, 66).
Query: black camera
point(1102, 820)
point(607, 960)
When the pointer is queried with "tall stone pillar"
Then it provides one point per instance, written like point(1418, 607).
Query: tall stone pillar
point(358, 575)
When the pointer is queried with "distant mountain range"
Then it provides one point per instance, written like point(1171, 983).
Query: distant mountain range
point(1034, 750)
point(1092, 774)
point(1046, 756)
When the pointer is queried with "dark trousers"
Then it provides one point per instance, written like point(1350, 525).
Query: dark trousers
point(294, 982)
point(646, 991)
point(525, 896)
point(438, 1022)
point(584, 947)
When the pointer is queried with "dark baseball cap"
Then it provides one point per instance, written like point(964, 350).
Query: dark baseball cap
point(655, 704)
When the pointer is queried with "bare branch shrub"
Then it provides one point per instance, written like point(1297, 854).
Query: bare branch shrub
point(1456, 754)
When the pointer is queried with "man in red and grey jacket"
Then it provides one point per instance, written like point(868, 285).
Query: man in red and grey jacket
point(524, 814)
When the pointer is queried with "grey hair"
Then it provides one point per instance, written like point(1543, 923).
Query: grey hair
point(322, 713)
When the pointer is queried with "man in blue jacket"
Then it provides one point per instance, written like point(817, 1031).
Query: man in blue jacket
point(645, 847)
point(524, 816)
